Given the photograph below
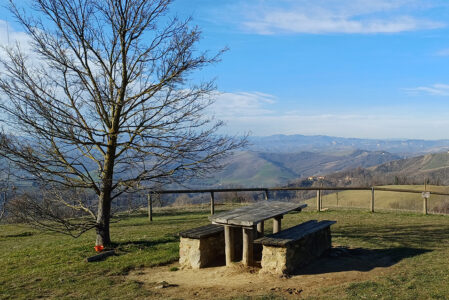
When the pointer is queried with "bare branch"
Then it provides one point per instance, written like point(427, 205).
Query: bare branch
point(107, 103)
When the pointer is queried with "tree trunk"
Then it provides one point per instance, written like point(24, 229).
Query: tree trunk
point(104, 200)
point(103, 219)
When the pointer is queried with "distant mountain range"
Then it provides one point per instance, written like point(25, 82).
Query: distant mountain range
point(290, 159)
point(283, 159)
point(322, 144)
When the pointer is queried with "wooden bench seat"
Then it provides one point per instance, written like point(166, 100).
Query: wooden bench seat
point(287, 250)
point(202, 232)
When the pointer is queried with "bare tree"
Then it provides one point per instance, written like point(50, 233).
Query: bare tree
point(7, 188)
point(109, 103)
point(64, 211)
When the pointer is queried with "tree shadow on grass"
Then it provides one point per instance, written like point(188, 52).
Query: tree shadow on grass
point(359, 259)
point(131, 246)
point(409, 240)
point(428, 236)
point(23, 234)
point(171, 221)
point(172, 213)
point(167, 213)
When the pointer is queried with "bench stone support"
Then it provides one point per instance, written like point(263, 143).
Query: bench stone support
point(283, 260)
point(200, 253)
point(201, 247)
point(294, 247)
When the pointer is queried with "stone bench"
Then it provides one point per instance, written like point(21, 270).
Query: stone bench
point(201, 247)
point(290, 249)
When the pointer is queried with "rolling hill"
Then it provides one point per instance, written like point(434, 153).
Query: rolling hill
point(430, 168)
point(251, 168)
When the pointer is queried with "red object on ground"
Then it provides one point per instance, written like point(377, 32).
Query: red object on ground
point(99, 248)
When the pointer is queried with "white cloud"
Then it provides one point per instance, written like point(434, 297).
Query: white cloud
point(242, 104)
point(259, 114)
point(362, 125)
point(443, 52)
point(10, 37)
point(331, 16)
point(437, 89)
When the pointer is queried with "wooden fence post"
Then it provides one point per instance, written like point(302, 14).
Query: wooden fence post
point(212, 203)
point(150, 207)
point(424, 209)
point(372, 199)
point(266, 195)
point(318, 200)
point(425, 197)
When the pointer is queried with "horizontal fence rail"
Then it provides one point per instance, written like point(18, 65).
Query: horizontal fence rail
point(277, 189)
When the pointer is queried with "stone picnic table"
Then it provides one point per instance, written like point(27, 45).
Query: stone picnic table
point(247, 218)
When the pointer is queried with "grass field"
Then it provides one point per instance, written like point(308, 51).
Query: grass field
point(44, 265)
point(388, 200)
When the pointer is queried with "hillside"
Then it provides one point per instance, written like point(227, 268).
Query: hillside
point(313, 163)
point(429, 168)
point(285, 161)
point(251, 168)
point(434, 168)
point(421, 164)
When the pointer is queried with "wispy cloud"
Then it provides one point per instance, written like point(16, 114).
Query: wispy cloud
point(261, 115)
point(437, 89)
point(367, 125)
point(332, 16)
point(10, 37)
point(242, 104)
point(443, 52)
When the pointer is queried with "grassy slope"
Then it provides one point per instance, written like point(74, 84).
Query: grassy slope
point(270, 169)
point(435, 161)
point(387, 200)
point(269, 174)
point(249, 169)
point(34, 264)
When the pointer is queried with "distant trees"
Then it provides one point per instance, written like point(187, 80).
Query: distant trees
point(7, 188)
point(106, 105)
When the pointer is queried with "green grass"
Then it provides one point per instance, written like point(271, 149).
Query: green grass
point(35, 264)
point(387, 200)
point(436, 161)
point(43, 265)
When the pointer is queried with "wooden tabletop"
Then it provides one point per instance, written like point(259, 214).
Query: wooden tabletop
point(255, 213)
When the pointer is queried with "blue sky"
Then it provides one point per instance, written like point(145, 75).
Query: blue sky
point(351, 68)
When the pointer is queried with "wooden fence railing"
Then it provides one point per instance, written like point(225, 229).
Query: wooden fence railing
point(266, 191)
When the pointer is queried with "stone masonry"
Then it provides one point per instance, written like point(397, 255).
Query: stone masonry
point(203, 252)
point(284, 260)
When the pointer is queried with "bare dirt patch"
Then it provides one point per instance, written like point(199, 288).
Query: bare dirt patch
point(340, 267)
